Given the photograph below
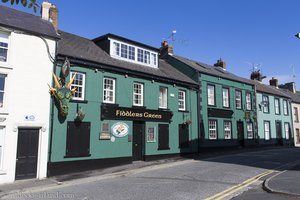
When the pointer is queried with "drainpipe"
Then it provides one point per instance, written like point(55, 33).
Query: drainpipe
point(198, 111)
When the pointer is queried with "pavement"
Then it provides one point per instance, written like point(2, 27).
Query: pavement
point(284, 182)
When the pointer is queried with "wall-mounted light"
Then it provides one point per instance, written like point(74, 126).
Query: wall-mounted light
point(126, 76)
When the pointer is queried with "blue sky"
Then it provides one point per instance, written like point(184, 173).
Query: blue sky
point(244, 33)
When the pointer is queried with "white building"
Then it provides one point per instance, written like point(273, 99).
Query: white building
point(25, 72)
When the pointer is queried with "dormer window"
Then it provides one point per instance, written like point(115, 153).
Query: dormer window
point(131, 53)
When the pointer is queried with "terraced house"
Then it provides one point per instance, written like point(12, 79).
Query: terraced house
point(226, 102)
point(274, 116)
point(128, 105)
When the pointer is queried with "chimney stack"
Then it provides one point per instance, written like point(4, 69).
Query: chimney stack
point(274, 82)
point(165, 49)
point(50, 13)
point(289, 86)
point(220, 63)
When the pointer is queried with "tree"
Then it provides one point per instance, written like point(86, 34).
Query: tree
point(26, 3)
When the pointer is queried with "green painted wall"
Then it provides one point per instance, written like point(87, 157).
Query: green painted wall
point(122, 147)
point(272, 118)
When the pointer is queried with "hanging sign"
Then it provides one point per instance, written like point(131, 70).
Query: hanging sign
point(120, 129)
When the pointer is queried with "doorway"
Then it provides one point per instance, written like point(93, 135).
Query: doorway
point(279, 133)
point(27, 153)
point(137, 141)
point(240, 134)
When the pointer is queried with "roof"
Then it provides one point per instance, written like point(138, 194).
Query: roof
point(211, 70)
point(260, 87)
point(74, 46)
point(117, 37)
point(294, 96)
point(22, 21)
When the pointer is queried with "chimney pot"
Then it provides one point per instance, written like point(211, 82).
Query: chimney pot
point(220, 63)
point(274, 82)
point(45, 10)
point(165, 49)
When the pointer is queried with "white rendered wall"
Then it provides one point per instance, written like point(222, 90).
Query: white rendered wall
point(296, 124)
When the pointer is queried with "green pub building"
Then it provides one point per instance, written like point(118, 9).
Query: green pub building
point(128, 105)
point(226, 103)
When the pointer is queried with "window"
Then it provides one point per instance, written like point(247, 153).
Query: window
point(297, 139)
point(285, 107)
point(250, 130)
point(140, 55)
point(131, 53)
point(151, 134)
point(3, 47)
point(163, 97)
point(265, 100)
point(116, 48)
point(2, 87)
point(104, 133)
point(163, 136)
point(138, 94)
point(238, 99)
point(248, 101)
point(225, 95)
point(287, 131)
point(277, 106)
point(267, 130)
point(78, 139)
point(181, 100)
point(211, 95)
point(227, 129)
point(212, 129)
point(2, 131)
point(108, 90)
point(296, 115)
point(124, 51)
point(79, 84)
point(153, 59)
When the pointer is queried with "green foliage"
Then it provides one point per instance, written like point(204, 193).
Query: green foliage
point(25, 3)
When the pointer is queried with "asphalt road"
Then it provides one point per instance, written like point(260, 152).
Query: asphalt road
point(239, 175)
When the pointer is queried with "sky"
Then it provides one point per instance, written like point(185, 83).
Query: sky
point(244, 33)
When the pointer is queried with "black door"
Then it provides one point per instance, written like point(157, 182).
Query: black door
point(27, 153)
point(183, 136)
point(279, 133)
point(137, 142)
point(240, 133)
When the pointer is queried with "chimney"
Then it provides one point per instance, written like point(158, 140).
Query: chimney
point(289, 86)
point(165, 49)
point(274, 82)
point(50, 13)
point(220, 63)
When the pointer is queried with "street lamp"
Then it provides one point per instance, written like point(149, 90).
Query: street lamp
point(297, 35)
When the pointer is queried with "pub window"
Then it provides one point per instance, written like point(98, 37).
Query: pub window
point(211, 95)
point(163, 137)
point(238, 99)
point(79, 84)
point(183, 136)
point(227, 129)
point(151, 134)
point(265, 100)
point(267, 130)
point(277, 106)
point(249, 130)
point(225, 95)
point(181, 100)
point(287, 131)
point(163, 97)
point(138, 90)
point(78, 139)
point(285, 107)
point(109, 90)
point(248, 101)
point(212, 129)
point(104, 132)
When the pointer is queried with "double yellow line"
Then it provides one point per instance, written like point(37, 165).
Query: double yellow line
point(240, 186)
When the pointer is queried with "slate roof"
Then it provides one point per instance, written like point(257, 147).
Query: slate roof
point(260, 87)
point(74, 46)
point(212, 70)
point(26, 22)
point(294, 96)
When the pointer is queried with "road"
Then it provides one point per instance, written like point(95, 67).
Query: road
point(237, 176)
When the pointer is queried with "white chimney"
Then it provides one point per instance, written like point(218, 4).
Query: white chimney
point(45, 10)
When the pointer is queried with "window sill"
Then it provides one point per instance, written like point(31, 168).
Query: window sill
point(184, 111)
point(78, 101)
point(110, 104)
point(3, 172)
point(5, 66)
point(77, 156)
point(168, 148)
point(163, 109)
point(139, 107)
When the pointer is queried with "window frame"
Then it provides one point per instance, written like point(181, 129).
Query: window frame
point(2, 145)
point(82, 98)
point(277, 106)
point(113, 91)
point(162, 100)
point(216, 129)
point(269, 130)
point(227, 101)
point(285, 107)
point(250, 131)
point(296, 115)
point(2, 107)
point(287, 130)
point(230, 129)
point(248, 101)
point(266, 108)
point(183, 101)
point(236, 99)
point(209, 95)
point(141, 94)
point(4, 38)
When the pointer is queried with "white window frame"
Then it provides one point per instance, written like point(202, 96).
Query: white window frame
point(2, 146)
point(163, 97)
point(248, 101)
point(250, 130)
point(181, 100)
point(77, 86)
point(265, 100)
point(285, 107)
point(211, 95)
point(277, 106)
point(238, 100)
point(149, 57)
point(4, 38)
point(151, 136)
point(212, 129)
point(140, 95)
point(227, 130)
point(287, 130)
point(296, 115)
point(106, 100)
point(267, 127)
point(225, 97)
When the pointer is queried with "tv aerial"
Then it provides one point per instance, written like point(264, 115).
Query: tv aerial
point(172, 39)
